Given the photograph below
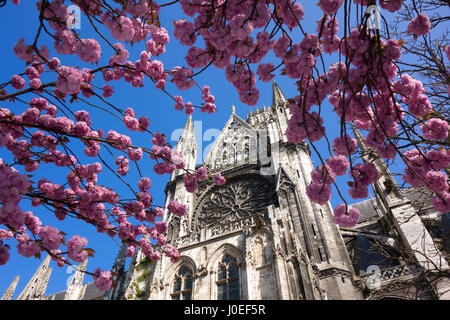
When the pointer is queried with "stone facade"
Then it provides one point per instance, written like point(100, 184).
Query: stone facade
point(259, 237)
point(285, 247)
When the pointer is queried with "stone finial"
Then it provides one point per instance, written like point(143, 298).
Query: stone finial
point(277, 95)
point(233, 109)
point(187, 146)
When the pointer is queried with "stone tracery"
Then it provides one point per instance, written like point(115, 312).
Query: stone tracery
point(238, 199)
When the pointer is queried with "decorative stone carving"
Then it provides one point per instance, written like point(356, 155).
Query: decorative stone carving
point(154, 288)
point(173, 229)
point(249, 257)
point(279, 251)
point(334, 272)
point(185, 228)
point(187, 239)
point(235, 200)
point(392, 274)
point(226, 227)
point(262, 248)
point(202, 271)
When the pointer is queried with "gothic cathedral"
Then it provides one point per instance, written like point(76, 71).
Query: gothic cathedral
point(259, 237)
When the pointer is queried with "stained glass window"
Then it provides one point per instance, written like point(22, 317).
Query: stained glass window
point(182, 287)
point(228, 279)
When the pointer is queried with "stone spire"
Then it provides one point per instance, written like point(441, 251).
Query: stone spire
point(386, 187)
point(35, 288)
point(277, 96)
point(10, 291)
point(188, 133)
point(187, 146)
point(279, 107)
point(75, 288)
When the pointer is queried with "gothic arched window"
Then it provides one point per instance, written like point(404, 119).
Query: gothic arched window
point(182, 286)
point(228, 279)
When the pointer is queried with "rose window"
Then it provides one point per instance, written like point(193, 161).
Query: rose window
point(236, 200)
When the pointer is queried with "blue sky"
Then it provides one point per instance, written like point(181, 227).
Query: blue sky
point(21, 21)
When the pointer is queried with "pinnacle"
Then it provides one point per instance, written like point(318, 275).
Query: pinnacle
point(277, 95)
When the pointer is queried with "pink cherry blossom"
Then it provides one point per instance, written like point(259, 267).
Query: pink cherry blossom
point(329, 6)
point(346, 218)
point(437, 181)
point(120, 56)
point(17, 82)
point(264, 71)
point(88, 50)
point(135, 154)
point(344, 146)
point(69, 80)
point(435, 129)
point(318, 192)
point(201, 174)
point(107, 91)
point(442, 202)
point(190, 182)
point(184, 31)
point(75, 247)
point(144, 183)
point(26, 247)
point(23, 51)
point(177, 208)
point(51, 237)
point(103, 280)
point(391, 5)
point(323, 174)
point(338, 164)
point(172, 252)
point(420, 25)
point(219, 179)
point(365, 174)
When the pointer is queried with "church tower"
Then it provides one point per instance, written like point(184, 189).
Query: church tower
point(175, 189)
point(258, 236)
point(406, 222)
